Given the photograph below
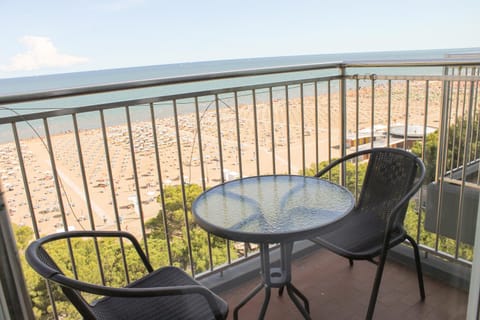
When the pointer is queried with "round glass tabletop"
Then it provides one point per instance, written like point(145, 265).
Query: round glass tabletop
point(272, 208)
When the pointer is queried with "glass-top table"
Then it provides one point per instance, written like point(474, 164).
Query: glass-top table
point(272, 209)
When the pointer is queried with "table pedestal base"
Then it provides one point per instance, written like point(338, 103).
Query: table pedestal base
point(276, 277)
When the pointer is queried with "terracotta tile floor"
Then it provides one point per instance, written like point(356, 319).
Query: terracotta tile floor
point(336, 291)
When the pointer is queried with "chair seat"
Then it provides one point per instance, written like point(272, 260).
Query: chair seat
point(188, 306)
point(357, 236)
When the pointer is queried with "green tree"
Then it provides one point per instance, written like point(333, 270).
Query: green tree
point(23, 235)
point(430, 158)
point(174, 210)
point(174, 215)
point(414, 221)
point(457, 135)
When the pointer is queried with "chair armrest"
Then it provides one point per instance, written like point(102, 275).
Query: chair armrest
point(33, 248)
point(340, 160)
point(116, 234)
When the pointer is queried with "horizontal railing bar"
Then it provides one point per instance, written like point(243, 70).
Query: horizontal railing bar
point(413, 77)
point(140, 84)
point(146, 101)
point(460, 182)
point(111, 105)
point(444, 255)
point(442, 62)
point(226, 266)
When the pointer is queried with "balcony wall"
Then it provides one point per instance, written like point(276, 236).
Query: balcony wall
point(132, 156)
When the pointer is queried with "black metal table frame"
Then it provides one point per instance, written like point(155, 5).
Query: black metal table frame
point(276, 277)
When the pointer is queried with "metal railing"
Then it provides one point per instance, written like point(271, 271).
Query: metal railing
point(132, 157)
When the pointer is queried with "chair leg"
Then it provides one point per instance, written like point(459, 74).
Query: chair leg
point(350, 260)
point(376, 285)
point(418, 266)
point(379, 273)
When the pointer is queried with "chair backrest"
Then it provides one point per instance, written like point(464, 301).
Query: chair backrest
point(392, 178)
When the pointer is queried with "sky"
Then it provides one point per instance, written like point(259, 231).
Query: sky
point(59, 36)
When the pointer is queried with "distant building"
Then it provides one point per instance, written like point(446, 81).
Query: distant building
point(414, 133)
point(364, 138)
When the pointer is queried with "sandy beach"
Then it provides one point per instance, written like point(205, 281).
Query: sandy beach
point(44, 193)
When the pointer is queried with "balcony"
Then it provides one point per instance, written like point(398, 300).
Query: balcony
point(132, 156)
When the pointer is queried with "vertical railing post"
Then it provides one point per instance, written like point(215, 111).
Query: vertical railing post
point(442, 152)
point(14, 299)
point(466, 153)
point(444, 114)
point(343, 119)
point(473, 307)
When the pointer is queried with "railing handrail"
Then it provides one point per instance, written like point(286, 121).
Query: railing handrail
point(148, 100)
point(443, 62)
point(140, 84)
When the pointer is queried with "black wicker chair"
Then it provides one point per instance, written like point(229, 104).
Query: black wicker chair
point(165, 293)
point(375, 224)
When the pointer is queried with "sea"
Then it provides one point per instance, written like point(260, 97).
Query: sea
point(24, 85)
